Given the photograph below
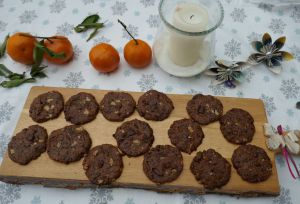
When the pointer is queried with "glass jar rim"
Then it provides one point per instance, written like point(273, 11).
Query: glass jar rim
point(205, 32)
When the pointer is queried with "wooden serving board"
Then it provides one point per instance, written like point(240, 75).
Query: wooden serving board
point(50, 173)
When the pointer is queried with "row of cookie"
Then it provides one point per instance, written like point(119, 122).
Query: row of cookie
point(115, 106)
point(236, 125)
point(164, 163)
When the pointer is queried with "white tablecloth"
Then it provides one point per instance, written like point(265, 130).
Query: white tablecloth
point(244, 21)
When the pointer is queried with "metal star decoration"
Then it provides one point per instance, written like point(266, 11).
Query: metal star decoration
point(229, 73)
point(270, 53)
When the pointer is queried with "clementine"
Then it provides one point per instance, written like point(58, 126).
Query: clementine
point(59, 44)
point(137, 53)
point(104, 57)
point(20, 48)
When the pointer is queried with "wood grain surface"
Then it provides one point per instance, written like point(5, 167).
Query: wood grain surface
point(50, 173)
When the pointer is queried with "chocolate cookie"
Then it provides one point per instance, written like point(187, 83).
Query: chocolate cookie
point(46, 106)
point(211, 169)
point(134, 137)
point(163, 164)
point(252, 163)
point(116, 106)
point(204, 109)
point(28, 144)
point(186, 135)
point(68, 144)
point(237, 126)
point(81, 108)
point(154, 105)
point(103, 164)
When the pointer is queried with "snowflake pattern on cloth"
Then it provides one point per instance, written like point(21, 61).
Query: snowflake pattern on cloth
point(244, 22)
point(277, 26)
point(232, 49)
point(57, 6)
point(74, 80)
point(5, 112)
point(238, 15)
point(193, 199)
point(9, 193)
point(100, 195)
point(290, 88)
point(64, 29)
point(119, 8)
point(27, 17)
point(147, 82)
point(284, 197)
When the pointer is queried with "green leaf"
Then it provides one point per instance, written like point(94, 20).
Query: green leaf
point(4, 71)
point(85, 23)
point(14, 76)
point(52, 54)
point(38, 55)
point(16, 82)
point(40, 75)
point(36, 71)
point(93, 34)
point(3, 46)
point(89, 22)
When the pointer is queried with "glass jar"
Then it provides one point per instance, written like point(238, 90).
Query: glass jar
point(185, 42)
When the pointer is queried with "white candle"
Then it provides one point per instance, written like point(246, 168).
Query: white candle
point(185, 50)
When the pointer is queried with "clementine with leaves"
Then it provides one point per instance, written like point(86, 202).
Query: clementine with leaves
point(20, 48)
point(59, 44)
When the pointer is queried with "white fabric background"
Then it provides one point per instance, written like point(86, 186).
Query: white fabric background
point(244, 21)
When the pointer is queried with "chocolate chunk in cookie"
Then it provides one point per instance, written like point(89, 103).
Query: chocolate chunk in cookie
point(81, 108)
point(134, 137)
point(28, 144)
point(211, 169)
point(252, 163)
point(204, 109)
point(103, 164)
point(154, 105)
point(68, 144)
point(116, 106)
point(46, 106)
point(163, 164)
point(186, 135)
point(237, 126)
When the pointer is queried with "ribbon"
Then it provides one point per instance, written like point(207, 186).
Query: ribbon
point(287, 155)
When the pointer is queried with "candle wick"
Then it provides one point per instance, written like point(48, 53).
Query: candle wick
point(192, 16)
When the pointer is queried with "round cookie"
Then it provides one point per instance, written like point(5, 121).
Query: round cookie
point(46, 106)
point(68, 144)
point(103, 164)
point(237, 126)
point(154, 105)
point(204, 109)
point(81, 108)
point(116, 106)
point(28, 144)
point(252, 163)
point(211, 169)
point(163, 163)
point(186, 135)
point(134, 137)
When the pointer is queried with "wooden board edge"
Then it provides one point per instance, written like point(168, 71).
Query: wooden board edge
point(75, 184)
